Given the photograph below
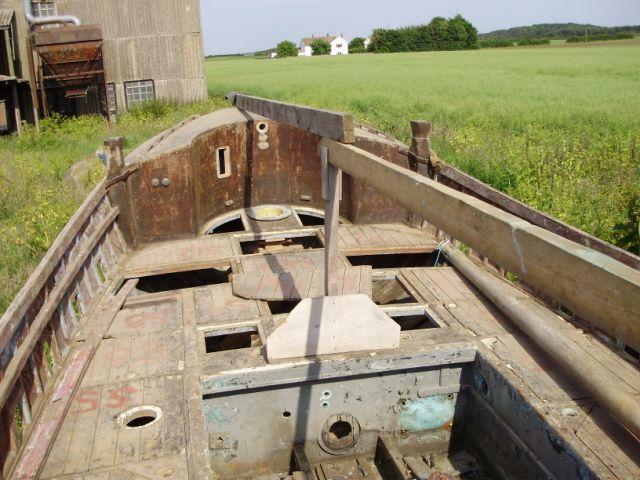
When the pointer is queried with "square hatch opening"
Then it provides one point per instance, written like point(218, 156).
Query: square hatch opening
point(390, 291)
point(391, 261)
point(228, 339)
point(178, 280)
point(274, 244)
point(413, 319)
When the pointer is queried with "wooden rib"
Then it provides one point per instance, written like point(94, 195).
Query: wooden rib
point(30, 291)
point(57, 294)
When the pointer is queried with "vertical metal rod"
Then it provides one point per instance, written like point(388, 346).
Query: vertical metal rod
point(32, 83)
point(43, 93)
point(16, 108)
point(332, 189)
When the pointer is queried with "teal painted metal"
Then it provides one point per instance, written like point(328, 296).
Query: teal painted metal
point(219, 414)
point(427, 413)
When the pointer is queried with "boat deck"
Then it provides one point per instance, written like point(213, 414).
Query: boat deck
point(147, 344)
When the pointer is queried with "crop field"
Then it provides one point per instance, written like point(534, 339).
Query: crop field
point(557, 127)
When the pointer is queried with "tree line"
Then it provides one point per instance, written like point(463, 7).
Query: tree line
point(558, 30)
point(455, 33)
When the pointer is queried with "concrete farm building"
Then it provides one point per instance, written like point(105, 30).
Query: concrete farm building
point(91, 56)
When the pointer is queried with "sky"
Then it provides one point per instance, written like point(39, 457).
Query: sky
point(240, 26)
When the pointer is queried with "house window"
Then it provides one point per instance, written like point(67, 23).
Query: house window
point(111, 96)
point(43, 9)
point(139, 92)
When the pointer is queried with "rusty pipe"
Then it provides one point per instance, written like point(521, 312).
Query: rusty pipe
point(624, 407)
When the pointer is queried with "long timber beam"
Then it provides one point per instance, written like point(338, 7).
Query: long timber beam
point(594, 286)
point(325, 123)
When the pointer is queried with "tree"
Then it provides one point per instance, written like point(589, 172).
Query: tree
point(357, 45)
point(287, 49)
point(321, 47)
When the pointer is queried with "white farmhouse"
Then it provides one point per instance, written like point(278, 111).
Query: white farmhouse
point(367, 42)
point(339, 46)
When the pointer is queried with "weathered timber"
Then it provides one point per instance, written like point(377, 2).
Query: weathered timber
point(389, 459)
point(22, 302)
point(325, 123)
point(598, 288)
point(332, 183)
point(45, 431)
point(528, 316)
point(41, 321)
point(519, 209)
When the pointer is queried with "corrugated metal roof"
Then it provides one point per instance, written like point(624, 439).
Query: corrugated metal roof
point(6, 16)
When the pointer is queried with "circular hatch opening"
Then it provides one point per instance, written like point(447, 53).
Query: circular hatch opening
point(139, 417)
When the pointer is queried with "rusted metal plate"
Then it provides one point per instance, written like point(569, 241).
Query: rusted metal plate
point(66, 35)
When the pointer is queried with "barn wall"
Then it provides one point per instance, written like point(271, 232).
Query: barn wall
point(159, 40)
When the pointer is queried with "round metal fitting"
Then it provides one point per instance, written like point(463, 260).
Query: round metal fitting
point(139, 417)
point(155, 182)
point(165, 182)
point(339, 434)
point(269, 213)
point(262, 127)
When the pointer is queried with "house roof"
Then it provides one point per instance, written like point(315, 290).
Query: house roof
point(6, 16)
point(309, 40)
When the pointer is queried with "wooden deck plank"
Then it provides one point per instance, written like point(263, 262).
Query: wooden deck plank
point(372, 235)
point(347, 236)
point(152, 436)
point(81, 447)
point(120, 361)
point(479, 317)
point(216, 304)
point(545, 378)
point(411, 278)
point(614, 448)
point(128, 439)
point(103, 453)
point(181, 255)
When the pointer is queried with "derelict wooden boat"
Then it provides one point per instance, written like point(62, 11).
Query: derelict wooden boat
point(182, 325)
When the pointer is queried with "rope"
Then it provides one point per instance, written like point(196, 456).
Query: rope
point(440, 247)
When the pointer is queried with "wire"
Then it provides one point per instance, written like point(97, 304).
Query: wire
point(440, 247)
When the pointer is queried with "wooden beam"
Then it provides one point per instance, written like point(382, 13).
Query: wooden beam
point(519, 209)
point(337, 126)
point(594, 286)
point(331, 192)
point(25, 349)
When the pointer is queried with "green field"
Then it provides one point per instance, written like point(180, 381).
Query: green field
point(557, 127)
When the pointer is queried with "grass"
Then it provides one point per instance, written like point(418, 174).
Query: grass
point(555, 127)
point(45, 175)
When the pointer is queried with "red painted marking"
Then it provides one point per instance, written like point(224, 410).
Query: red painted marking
point(81, 398)
point(120, 397)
